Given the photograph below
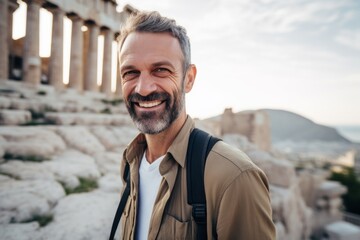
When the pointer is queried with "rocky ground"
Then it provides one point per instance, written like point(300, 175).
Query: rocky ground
point(59, 166)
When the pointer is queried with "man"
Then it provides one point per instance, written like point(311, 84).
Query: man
point(156, 72)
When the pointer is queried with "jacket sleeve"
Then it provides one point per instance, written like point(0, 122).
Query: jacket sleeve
point(245, 209)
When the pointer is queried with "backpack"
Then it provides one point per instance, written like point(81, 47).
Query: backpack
point(199, 146)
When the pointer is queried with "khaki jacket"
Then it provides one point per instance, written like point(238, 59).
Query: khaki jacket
point(237, 194)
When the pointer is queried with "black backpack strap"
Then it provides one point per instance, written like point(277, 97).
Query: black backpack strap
point(122, 203)
point(200, 144)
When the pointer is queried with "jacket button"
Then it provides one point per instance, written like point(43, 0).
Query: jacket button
point(134, 197)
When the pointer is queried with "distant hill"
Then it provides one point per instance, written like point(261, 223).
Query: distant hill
point(287, 125)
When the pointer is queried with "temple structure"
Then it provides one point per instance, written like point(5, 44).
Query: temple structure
point(20, 59)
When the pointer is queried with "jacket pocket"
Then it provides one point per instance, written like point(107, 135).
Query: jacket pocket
point(173, 228)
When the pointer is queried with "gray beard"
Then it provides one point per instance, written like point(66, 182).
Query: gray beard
point(154, 122)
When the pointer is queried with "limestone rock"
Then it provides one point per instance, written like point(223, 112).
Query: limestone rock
point(125, 134)
point(14, 117)
point(26, 170)
point(88, 118)
point(108, 162)
point(110, 183)
point(279, 172)
point(81, 139)
point(82, 216)
point(2, 148)
point(26, 104)
point(342, 231)
point(20, 231)
point(239, 141)
point(72, 164)
point(66, 167)
point(289, 208)
point(26, 199)
point(105, 136)
point(4, 103)
point(31, 141)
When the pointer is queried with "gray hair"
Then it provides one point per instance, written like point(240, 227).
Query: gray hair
point(153, 22)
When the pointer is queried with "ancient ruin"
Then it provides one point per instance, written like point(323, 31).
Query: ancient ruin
point(20, 59)
point(61, 144)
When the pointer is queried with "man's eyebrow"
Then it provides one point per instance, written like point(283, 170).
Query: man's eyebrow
point(156, 64)
point(126, 67)
point(162, 63)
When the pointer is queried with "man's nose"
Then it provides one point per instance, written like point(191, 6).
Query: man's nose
point(145, 84)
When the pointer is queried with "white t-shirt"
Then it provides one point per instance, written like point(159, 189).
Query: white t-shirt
point(149, 183)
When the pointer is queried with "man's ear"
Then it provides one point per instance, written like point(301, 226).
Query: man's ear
point(190, 78)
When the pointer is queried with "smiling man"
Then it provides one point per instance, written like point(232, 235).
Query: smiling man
point(156, 73)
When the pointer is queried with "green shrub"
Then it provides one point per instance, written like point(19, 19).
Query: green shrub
point(43, 220)
point(41, 92)
point(86, 185)
point(106, 111)
point(30, 158)
point(349, 178)
point(38, 122)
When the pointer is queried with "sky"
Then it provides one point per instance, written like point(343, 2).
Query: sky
point(298, 55)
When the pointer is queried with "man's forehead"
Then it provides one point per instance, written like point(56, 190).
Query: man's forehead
point(145, 42)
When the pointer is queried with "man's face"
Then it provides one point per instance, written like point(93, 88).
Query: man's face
point(152, 80)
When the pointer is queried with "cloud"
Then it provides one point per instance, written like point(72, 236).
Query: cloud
point(349, 38)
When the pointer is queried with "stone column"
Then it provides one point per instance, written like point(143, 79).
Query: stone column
point(13, 5)
point(106, 74)
point(31, 59)
point(4, 47)
point(57, 49)
point(92, 58)
point(118, 91)
point(76, 55)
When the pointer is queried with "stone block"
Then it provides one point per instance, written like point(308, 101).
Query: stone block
point(108, 162)
point(31, 141)
point(110, 183)
point(26, 199)
point(82, 216)
point(279, 171)
point(20, 231)
point(289, 208)
point(27, 104)
point(81, 138)
point(14, 117)
point(342, 231)
point(4, 103)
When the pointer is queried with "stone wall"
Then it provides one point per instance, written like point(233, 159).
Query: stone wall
point(252, 124)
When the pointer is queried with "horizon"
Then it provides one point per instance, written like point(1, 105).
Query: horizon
point(300, 56)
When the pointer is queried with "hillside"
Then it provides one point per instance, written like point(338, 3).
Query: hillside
point(290, 126)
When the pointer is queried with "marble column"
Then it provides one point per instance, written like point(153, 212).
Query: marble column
point(106, 74)
point(31, 59)
point(92, 58)
point(76, 54)
point(13, 5)
point(56, 65)
point(118, 91)
point(4, 47)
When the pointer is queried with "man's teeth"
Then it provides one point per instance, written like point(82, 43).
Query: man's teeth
point(149, 104)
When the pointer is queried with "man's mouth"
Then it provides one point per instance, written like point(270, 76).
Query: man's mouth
point(149, 104)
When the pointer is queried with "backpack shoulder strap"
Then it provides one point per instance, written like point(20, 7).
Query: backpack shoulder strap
point(200, 144)
point(122, 203)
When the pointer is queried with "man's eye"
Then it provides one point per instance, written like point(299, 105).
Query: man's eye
point(161, 72)
point(130, 75)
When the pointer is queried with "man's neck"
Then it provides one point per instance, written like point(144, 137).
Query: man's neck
point(158, 144)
